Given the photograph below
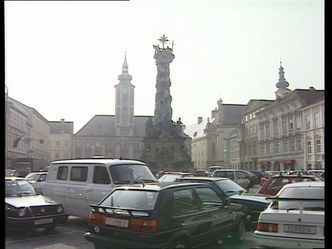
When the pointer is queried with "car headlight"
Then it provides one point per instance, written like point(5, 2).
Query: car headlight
point(21, 212)
point(59, 209)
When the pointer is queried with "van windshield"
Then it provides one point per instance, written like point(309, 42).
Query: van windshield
point(131, 173)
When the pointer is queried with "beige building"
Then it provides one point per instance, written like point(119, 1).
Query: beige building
point(280, 134)
point(248, 135)
point(16, 119)
point(313, 120)
point(208, 145)
point(61, 137)
point(35, 141)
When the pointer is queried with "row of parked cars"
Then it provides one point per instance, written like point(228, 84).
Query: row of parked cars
point(127, 207)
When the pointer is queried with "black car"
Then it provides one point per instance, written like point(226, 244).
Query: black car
point(235, 193)
point(253, 180)
point(26, 210)
point(163, 215)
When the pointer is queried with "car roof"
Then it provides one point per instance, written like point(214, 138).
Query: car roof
point(204, 178)
point(305, 184)
point(176, 173)
point(14, 178)
point(293, 176)
point(158, 186)
point(98, 161)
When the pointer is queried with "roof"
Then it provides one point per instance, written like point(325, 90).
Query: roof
point(97, 161)
point(60, 127)
point(232, 113)
point(158, 186)
point(305, 184)
point(104, 125)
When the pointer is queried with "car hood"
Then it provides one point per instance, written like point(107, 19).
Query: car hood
point(25, 201)
point(251, 198)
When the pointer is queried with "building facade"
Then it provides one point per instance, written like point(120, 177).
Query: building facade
point(209, 136)
point(61, 139)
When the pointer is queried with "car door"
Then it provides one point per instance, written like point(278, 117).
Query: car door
point(99, 185)
point(220, 216)
point(76, 194)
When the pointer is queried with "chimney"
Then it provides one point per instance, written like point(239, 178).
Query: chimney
point(312, 88)
point(62, 120)
point(200, 119)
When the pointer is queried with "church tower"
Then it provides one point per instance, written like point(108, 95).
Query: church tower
point(282, 84)
point(124, 103)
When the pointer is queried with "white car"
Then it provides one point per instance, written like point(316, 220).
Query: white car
point(295, 217)
point(37, 180)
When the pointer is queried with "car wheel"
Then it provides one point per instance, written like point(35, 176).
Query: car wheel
point(240, 231)
point(180, 244)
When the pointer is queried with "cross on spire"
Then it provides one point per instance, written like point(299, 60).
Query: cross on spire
point(163, 40)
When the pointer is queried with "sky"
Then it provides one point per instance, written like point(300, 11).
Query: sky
point(63, 58)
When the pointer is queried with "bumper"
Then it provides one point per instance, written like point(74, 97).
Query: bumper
point(119, 243)
point(268, 240)
point(35, 222)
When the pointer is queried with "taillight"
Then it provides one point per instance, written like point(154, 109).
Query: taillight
point(96, 219)
point(140, 225)
point(267, 227)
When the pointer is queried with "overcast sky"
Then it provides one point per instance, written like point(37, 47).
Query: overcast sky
point(64, 58)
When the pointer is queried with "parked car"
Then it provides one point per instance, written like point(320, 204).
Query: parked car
point(315, 172)
point(258, 174)
point(295, 218)
point(236, 175)
point(163, 215)
point(37, 180)
point(276, 182)
point(172, 176)
point(267, 174)
point(235, 193)
point(78, 183)
point(251, 177)
point(26, 210)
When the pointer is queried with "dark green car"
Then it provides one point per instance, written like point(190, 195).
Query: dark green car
point(163, 215)
point(235, 193)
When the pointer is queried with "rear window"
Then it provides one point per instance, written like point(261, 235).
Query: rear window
point(131, 173)
point(131, 199)
point(228, 174)
point(316, 194)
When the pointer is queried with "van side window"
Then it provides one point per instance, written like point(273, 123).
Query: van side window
point(184, 202)
point(100, 175)
point(78, 173)
point(62, 173)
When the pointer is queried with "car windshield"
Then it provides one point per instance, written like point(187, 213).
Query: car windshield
point(131, 199)
point(229, 187)
point(18, 188)
point(131, 173)
point(301, 192)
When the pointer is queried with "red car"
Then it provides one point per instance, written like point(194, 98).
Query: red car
point(272, 185)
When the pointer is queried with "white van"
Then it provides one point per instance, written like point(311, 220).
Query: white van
point(78, 183)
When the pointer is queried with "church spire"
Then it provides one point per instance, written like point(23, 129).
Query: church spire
point(282, 83)
point(125, 64)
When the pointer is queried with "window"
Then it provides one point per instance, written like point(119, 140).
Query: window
point(276, 147)
point(318, 146)
point(299, 144)
point(309, 147)
point(275, 127)
point(62, 173)
point(316, 119)
point(285, 146)
point(100, 175)
point(283, 125)
point(267, 129)
point(208, 198)
point(261, 127)
point(184, 202)
point(292, 145)
point(79, 173)
point(307, 122)
point(291, 124)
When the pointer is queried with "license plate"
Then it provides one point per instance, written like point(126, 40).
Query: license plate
point(300, 229)
point(116, 222)
point(44, 221)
